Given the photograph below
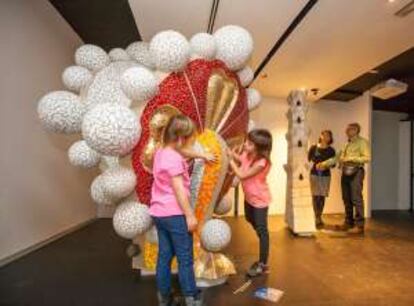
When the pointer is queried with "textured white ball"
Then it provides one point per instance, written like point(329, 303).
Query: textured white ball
point(118, 55)
point(61, 112)
point(81, 155)
point(251, 126)
point(118, 182)
point(246, 76)
point(171, 51)
point(98, 192)
point(92, 57)
point(111, 129)
point(234, 46)
point(253, 98)
point(203, 45)
point(131, 219)
point(76, 77)
point(215, 235)
point(152, 235)
point(140, 52)
point(224, 206)
point(139, 84)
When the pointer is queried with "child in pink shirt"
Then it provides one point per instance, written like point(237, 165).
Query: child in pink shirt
point(252, 166)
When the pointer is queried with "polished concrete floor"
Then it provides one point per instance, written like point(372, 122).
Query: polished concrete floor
point(90, 267)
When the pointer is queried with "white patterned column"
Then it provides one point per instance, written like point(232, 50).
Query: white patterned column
point(299, 211)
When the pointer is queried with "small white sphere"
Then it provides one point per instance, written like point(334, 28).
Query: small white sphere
point(253, 98)
point(215, 235)
point(251, 126)
point(98, 192)
point(171, 51)
point(139, 84)
point(111, 129)
point(152, 235)
point(246, 76)
point(140, 52)
point(81, 155)
point(76, 77)
point(118, 55)
point(92, 57)
point(131, 219)
point(234, 46)
point(224, 207)
point(118, 182)
point(61, 112)
point(203, 45)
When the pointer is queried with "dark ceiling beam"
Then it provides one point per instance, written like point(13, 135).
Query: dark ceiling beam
point(106, 23)
point(213, 14)
point(293, 25)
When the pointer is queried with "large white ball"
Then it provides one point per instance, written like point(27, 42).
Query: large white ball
point(253, 98)
point(234, 46)
point(81, 155)
point(224, 206)
point(61, 112)
point(131, 219)
point(98, 192)
point(118, 182)
point(118, 55)
point(203, 45)
point(92, 57)
point(171, 51)
point(246, 76)
point(215, 235)
point(139, 84)
point(76, 77)
point(111, 129)
point(140, 52)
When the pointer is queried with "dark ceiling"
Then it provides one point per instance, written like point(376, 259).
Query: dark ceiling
point(400, 68)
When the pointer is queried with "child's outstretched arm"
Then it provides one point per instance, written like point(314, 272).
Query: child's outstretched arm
point(183, 201)
point(189, 153)
point(242, 175)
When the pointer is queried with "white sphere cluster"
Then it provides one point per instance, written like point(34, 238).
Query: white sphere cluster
point(139, 84)
point(81, 155)
point(131, 219)
point(118, 55)
point(203, 45)
point(140, 52)
point(253, 98)
point(61, 112)
point(111, 129)
point(215, 235)
point(92, 57)
point(76, 77)
point(152, 235)
point(118, 182)
point(98, 192)
point(246, 76)
point(224, 206)
point(234, 46)
point(170, 50)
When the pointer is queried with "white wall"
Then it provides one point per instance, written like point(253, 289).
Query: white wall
point(404, 160)
point(331, 115)
point(40, 193)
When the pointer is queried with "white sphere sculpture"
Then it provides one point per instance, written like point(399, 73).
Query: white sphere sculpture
point(253, 98)
point(81, 155)
point(61, 112)
point(118, 55)
point(152, 235)
point(131, 219)
point(98, 192)
point(234, 46)
point(203, 45)
point(92, 57)
point(111, 129)
point(171, 51)
point(76, 77)
point(140, 52)
point(215, 235)
point(223, 207)
point(139, 84)
point(118, 182)
point(246, 76)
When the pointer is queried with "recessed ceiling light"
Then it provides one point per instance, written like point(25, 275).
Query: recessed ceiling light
point(391, 1)
point(373, 71)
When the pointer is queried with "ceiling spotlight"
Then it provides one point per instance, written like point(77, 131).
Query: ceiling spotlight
point(315, 91)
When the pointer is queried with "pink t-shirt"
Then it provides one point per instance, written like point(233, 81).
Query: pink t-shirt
point(255, 188)
point(167, 164)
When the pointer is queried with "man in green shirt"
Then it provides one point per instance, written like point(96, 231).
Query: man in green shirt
point(351, 159)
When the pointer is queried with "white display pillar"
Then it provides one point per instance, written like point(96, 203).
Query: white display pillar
point(299, 211)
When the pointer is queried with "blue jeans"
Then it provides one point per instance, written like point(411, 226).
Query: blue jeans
point(174, 239)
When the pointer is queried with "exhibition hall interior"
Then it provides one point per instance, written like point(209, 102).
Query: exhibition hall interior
point(207, 152)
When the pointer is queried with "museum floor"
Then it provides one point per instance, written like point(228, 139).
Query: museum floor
point(89, 267)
